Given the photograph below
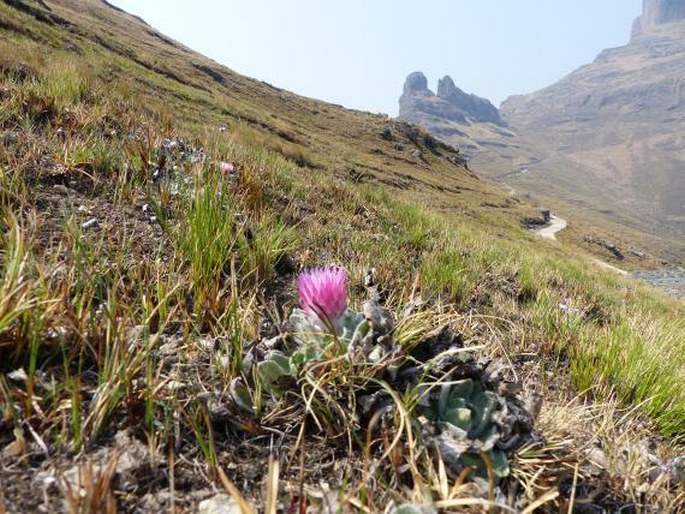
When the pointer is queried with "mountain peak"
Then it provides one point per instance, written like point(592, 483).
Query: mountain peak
point(451, 103)
point(415, 82)
point(446, 87)
point(658, 12)
point(477, 108)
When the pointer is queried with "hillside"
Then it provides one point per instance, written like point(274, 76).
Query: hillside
point(603, 146)
point(617, 127)
point(217, 294)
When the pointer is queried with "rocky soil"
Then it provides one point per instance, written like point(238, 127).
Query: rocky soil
point(670, 280)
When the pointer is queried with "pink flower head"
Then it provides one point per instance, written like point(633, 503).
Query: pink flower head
point(323, 292)
point(226, 167)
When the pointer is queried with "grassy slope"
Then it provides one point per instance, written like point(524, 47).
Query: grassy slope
point(316, 184)
point(656, 248)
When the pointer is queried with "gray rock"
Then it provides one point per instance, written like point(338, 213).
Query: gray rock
point(672, 281)
point(474, 107)
point(219, 504)
point(91, 223)
point(416, 82)
point(409, 508)
point(133, 453)
point(419, 104)
point(674, 470)
point(379, 319)
point(597, 458)
point(658, 12)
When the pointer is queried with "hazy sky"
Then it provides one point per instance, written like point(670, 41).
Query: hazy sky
point(358, 52)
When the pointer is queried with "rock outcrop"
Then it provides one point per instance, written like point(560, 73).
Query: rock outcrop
point(473, 107)
point(658, 12)
point(418, 103)
point(416, 83)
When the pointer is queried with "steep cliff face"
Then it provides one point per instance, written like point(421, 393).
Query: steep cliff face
point(658, 12)
point(464, 120)
point(418, 103)
point(474, 107)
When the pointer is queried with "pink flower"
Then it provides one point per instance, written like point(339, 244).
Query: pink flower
point(323, 292)
point(226, 167)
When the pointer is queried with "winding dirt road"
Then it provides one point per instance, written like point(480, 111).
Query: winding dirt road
point(555, 225)
point(671, 281)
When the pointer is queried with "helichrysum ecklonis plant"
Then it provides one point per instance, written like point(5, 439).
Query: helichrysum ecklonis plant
point(323, 295)
point(323, 314)
point(324, 325)
point(226, 167)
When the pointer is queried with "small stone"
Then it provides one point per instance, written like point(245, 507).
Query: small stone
point(91, 223)
point(274, 343)
point(133, 452)
point(16, 447)
point(597, 457)
point(18, 375)
point(408, 508)
point(675, 471)
point(61, 188)
point(175, 386)
point(134, 337)
point(223, 361)
point(534, 404)
point(643, 488)
point(376, 354)
point(45, 479)
point(206, 344)
point(219, 504)
point(369, 278)
point(380, 319)
point(509, 389)
point(170, 345)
